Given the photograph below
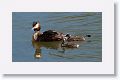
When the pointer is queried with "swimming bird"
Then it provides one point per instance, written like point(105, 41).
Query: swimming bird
point(52, 35)
point(74, 38)
point(69, 44)
point(49, 35)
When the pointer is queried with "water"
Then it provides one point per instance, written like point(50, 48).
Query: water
point(75, 23)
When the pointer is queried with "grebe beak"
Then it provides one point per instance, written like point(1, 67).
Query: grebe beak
point(32, 28)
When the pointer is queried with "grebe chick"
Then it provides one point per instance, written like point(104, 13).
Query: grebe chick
point(69, 44)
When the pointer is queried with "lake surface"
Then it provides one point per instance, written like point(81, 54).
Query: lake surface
point(74, 23)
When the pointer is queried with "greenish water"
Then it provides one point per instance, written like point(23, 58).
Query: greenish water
point(75, 23)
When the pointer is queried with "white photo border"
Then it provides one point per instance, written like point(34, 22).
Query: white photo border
point(104, 67)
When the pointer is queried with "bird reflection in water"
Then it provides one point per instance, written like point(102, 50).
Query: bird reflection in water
point(38, 53)
point(48, 45)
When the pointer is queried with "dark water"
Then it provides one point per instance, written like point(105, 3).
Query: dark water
point(75, 23)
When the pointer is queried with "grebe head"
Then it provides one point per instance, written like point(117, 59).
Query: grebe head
point(68, 35)
point(36, 26)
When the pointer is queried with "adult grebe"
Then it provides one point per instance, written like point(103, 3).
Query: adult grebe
point(49, 35)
